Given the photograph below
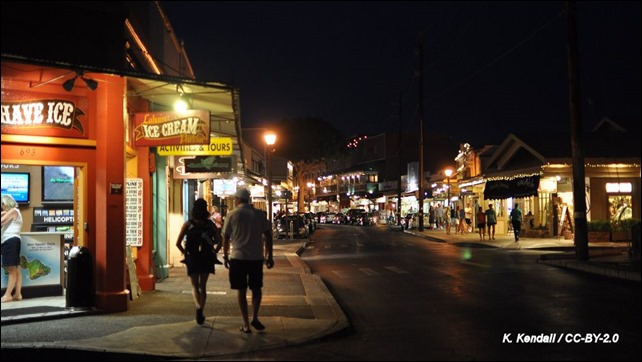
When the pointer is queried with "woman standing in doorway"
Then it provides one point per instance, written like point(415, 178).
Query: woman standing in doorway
point(11, 227)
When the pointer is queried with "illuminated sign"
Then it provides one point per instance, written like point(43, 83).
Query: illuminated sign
point(172, 128)
point(219, 146)
point(45, 117)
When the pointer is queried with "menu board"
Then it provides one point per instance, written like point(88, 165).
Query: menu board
point(134, 211)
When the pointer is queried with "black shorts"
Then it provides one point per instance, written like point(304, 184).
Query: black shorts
point(481, 225)
point(468, 221)
point(244, 273)
point(11, 252)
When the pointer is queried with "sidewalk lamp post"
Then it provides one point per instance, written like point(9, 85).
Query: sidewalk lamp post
point(448, 173)
point(270, 140)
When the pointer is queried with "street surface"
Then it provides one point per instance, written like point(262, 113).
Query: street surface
point(408, 298)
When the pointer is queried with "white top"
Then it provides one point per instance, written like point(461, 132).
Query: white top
point(245, 226)
point(13, 228)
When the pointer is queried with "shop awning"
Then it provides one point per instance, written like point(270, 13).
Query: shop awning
point(217, 99)
point(516, 188)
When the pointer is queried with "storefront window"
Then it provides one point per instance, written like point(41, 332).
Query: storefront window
point(545, 211)
point(620, 207)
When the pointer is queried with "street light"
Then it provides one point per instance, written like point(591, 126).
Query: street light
point(448, 173)
point(311, 194)
point(270, 140)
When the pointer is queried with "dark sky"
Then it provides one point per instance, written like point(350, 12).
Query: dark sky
point(490, 68)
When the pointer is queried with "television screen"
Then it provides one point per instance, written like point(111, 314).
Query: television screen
point(16, 185)
point(57, 183)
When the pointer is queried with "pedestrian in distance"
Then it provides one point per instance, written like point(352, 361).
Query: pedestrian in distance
point(447, 218)
point(244, 229)
point(481, 223)
point(217, 219)
point(491, 221)
point(11, 243)
point(461, 213)
point(469, 217)
point(516, 220)
point(197, 233)
point(439, 214)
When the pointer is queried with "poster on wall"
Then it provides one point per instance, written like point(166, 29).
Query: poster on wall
point(40, 260)
point(134, 211)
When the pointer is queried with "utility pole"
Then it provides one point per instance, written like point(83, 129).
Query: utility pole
point(398, 211)
point(577, 145)
point(420, 78)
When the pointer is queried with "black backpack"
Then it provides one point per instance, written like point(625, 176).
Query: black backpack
point(200, 236)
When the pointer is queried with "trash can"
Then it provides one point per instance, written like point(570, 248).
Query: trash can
point(80, 279)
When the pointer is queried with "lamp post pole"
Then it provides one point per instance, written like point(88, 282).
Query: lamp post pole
point(448, 173)
point(270, 140)
point(448, 181)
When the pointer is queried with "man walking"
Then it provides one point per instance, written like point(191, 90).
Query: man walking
point(516, 220)
point(244, 228)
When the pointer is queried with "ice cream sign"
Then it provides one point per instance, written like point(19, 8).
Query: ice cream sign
point(172, 128)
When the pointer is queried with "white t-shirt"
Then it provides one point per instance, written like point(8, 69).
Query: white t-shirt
point(245, 226)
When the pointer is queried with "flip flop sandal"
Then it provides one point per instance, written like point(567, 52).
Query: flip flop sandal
point(242, 329)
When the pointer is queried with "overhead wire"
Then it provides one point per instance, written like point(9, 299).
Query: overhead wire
point(498, 58)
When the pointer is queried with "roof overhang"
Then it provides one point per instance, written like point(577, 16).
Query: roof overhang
point(163, 93)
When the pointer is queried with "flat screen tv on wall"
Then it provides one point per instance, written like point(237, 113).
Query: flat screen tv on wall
point(17, 184)
point(58, 184)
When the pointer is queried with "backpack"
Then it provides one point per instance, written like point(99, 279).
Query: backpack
point(199, 237)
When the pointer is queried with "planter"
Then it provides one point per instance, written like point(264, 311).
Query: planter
point(599, 236)
point(623, 235)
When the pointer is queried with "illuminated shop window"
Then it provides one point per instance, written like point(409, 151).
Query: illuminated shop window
point(620, 207)
point(621, 187)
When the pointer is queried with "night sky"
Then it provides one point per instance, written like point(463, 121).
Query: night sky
point(490, 68)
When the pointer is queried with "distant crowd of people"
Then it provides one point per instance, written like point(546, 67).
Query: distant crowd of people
point(454, 217)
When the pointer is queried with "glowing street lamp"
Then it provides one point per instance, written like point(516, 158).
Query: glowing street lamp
point(448, 173)
point(270, 140)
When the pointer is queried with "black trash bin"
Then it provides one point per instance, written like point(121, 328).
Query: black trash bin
point(80, 279)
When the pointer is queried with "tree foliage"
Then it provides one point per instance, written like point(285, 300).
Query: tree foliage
point(306, 142)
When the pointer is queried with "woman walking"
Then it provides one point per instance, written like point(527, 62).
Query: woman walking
point(198, 232)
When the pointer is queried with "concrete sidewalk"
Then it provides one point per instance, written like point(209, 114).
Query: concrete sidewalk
point(296, 307)
point(611, 259)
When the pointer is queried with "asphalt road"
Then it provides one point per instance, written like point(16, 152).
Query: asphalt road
point(412, 299)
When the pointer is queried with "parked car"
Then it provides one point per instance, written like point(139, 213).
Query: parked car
point(331, 218)
point(299, 227)
point(358, 217)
